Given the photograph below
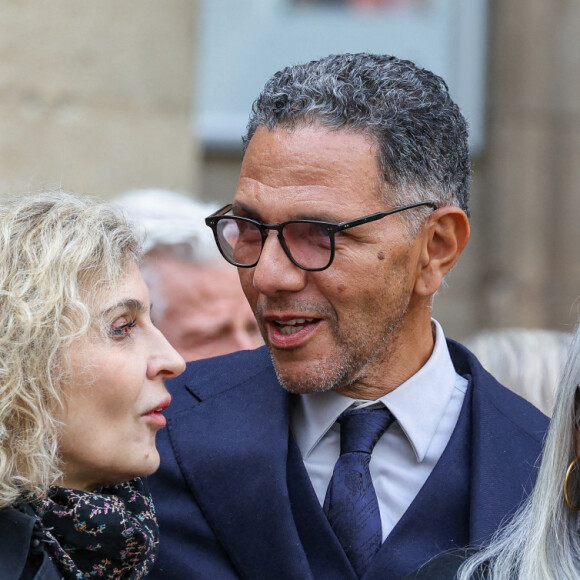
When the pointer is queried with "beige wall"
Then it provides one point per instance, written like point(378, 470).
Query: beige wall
point(96, 96)
point(529, 203)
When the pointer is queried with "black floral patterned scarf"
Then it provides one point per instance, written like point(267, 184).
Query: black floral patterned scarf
point(111, 533)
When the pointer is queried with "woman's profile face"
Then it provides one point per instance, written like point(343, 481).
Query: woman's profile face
point(115, 392)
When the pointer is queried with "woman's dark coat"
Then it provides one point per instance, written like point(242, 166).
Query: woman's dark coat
point(22, 554)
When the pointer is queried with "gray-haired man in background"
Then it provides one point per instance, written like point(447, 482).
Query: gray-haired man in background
point(197, 298)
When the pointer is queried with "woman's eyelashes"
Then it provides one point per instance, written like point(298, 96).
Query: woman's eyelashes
point(122, 328)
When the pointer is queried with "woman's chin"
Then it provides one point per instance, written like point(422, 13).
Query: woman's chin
point(139, 461)
point(150, 464)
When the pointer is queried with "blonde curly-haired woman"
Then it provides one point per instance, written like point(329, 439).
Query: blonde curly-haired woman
point(82, 371)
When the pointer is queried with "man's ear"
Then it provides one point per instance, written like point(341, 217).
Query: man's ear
point(444, 237)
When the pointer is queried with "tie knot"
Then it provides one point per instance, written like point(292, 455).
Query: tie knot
point(360, 429)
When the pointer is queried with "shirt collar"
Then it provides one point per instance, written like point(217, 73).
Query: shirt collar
point(418, 404)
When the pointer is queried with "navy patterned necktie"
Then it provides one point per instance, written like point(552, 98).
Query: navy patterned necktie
point(351, 502)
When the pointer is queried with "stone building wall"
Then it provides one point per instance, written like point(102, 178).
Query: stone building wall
point(529, 189)
point(96, 96)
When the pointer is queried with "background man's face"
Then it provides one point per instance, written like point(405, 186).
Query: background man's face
point(333, 328)
point(205, 312)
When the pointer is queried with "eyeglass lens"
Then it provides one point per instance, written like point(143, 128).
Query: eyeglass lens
point(308, 243)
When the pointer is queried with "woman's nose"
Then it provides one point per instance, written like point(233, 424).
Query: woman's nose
point(165, 360)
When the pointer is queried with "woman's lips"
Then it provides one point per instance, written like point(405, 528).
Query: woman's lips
point(156, 414)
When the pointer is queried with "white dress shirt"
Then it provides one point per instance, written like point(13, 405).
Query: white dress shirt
point(426, 408)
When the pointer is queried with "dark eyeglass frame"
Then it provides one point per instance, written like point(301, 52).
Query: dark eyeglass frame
point(330, 228)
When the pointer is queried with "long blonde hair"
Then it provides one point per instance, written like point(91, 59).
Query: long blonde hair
point(56, 250)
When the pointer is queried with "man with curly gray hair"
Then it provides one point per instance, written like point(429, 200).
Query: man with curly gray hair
point(358, 442)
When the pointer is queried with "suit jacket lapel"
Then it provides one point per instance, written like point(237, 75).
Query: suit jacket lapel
point(237, 473)
point(498, 486)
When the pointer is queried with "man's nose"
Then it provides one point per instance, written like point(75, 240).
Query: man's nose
point(275, 272)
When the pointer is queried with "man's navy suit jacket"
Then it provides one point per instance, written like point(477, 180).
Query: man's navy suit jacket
point(234, 499)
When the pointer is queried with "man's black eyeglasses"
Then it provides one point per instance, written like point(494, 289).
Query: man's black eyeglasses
point(309, 244)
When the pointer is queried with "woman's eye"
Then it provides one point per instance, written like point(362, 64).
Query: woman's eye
point(120, 331)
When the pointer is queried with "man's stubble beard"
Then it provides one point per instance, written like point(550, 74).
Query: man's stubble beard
point(334, 373)
point(346, 365)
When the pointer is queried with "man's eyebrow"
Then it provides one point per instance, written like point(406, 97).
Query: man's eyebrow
point(128, 304)
point(242, 209)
